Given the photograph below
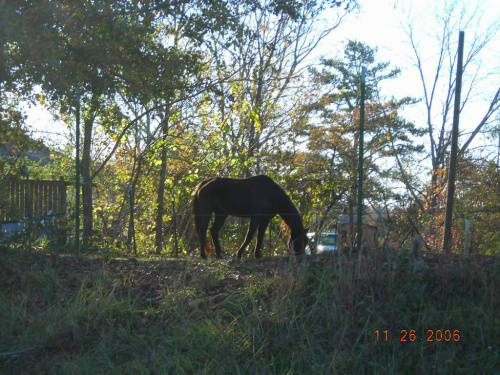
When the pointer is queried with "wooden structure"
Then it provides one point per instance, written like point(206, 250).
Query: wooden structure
point(347, 240)
point(32, 199)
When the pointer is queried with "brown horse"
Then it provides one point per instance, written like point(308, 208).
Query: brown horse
point(258, 198)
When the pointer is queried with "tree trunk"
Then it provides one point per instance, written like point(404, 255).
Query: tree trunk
point(87, 181)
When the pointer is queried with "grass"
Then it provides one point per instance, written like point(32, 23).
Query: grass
point(309, 315)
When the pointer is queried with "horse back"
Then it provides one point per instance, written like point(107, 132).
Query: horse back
point(241, 197)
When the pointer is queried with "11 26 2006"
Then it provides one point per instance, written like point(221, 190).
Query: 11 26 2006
point(412, 335)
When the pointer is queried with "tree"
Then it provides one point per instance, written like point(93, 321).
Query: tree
point(438, 85)
point(93, 51)
point(334, 139)
point(157, 57)
point(259, 70)
point(69, 47)
point(478, 200)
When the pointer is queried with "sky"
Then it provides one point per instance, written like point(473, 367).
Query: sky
point(380, 24)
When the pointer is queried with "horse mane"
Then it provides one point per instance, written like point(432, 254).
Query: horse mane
point(289, 212)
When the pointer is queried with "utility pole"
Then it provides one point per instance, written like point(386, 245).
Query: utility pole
point(498, 153)
point(452, 171)
point(176, 239)
point(360, 165)
point(131, 197)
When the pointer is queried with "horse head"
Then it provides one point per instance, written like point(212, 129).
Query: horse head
point(298, 241)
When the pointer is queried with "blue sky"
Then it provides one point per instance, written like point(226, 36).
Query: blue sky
point(382, 24)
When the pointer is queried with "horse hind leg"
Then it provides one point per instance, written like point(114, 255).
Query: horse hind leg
point(214, 231)
point(260, 236)
point(202, 234)
point(254, 223)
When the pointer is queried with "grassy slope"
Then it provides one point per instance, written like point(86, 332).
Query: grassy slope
point(63, 315)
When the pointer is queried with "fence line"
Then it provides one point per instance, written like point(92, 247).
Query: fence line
point(244, 216)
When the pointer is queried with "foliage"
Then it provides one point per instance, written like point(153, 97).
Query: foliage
point(333, 140)
point(478, 200)
point(16, 143)
point(437, 77)
point(172, 93)
point(21, 156)
point(254, 102)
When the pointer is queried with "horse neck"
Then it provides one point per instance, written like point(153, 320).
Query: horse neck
point(291, 217)
point(295, 224)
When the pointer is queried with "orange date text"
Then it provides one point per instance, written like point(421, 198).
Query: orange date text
point(412, 335)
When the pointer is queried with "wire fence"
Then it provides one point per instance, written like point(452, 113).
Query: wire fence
point(40, 209)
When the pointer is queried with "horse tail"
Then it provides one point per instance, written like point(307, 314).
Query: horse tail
point(209, 249)
point(197, 224)
point(196, 211)
point(197, 207)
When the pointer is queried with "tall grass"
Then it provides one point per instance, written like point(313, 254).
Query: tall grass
point(273, 316)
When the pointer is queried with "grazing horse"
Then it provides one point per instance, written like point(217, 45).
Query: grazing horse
point(258, 198)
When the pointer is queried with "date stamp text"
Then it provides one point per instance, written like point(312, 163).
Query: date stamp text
point(412, 335)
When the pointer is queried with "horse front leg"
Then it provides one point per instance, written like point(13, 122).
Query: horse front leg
point(254, 223)
point(260, 236)
point(214, 231)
